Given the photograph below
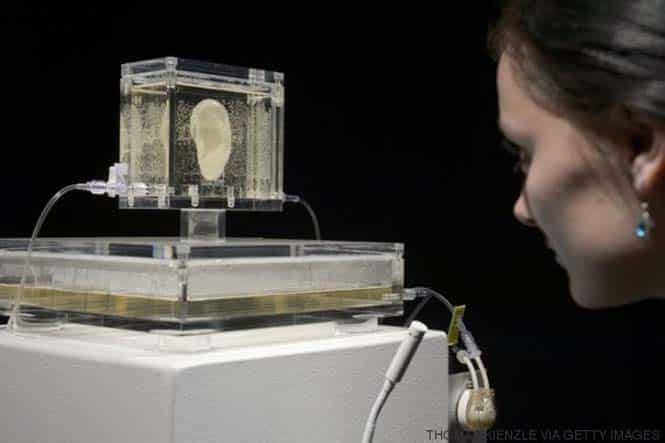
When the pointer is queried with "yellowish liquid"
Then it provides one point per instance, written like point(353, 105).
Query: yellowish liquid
point(130, 306)
point(158, 142)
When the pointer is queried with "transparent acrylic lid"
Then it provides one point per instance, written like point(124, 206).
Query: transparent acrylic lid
point(198, 134)
point(165, 279)
point(201, 70)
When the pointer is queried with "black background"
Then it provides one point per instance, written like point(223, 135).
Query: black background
point(391, 136)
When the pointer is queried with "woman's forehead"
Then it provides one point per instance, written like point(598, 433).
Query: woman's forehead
point(513, 105)
point(517, 110)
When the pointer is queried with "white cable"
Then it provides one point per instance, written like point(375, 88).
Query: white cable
point(368, 435)
point(394, 374)
point(483, 372)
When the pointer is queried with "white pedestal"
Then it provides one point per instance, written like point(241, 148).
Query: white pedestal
point(290, 384)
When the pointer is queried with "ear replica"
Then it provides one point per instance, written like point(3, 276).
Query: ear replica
point(210, 127)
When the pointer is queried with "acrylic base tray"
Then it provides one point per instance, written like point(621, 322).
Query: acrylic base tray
point(230, 284)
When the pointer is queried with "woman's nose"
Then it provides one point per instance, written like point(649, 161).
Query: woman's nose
point(522, 212)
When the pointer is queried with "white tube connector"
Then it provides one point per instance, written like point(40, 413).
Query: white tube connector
point(115, 185)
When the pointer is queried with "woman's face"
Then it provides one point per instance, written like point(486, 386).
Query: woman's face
point(581, 198)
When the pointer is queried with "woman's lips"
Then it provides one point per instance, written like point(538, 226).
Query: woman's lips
point(557, 258)
point(549, 246)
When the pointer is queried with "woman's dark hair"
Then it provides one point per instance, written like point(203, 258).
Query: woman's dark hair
point(601, 61)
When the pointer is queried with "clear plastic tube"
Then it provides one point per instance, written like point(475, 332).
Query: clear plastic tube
point(310, 210)
point(467, 361)
point(15, 321)
point(483, 372)
point(465, 334)
point(315, 220)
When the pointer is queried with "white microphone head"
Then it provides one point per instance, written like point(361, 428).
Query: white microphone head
point(417, 328)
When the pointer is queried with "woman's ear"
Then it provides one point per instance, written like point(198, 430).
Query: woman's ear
point(648, 165)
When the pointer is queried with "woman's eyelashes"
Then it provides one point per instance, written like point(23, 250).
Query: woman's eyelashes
point(523, 157)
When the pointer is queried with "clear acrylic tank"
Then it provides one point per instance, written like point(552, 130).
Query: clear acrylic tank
point(201, 135)
point(155, 283)
point(201, 138)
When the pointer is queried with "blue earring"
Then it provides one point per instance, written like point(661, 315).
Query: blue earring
point(645, 223)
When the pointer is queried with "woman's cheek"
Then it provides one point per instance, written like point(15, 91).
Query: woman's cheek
point(556, 198)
